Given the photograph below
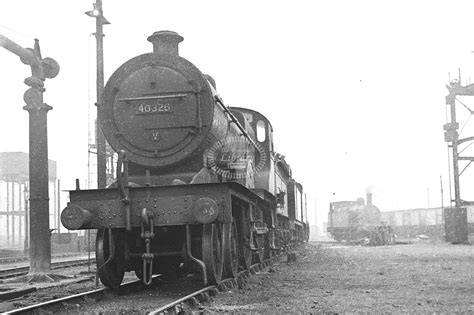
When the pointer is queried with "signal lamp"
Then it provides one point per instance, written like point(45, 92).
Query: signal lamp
point(97, 13)
point(94, 12)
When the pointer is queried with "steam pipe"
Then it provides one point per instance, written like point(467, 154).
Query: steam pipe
point(201, 264)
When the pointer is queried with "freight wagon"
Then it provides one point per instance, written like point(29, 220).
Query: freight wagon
point(411, 223)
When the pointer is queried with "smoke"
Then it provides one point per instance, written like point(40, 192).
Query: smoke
point(369, 189)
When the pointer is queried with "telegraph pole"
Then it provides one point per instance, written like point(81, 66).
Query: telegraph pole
point(100, 21)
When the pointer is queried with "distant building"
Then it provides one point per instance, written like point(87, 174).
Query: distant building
point(14, 198)
point(14, 166)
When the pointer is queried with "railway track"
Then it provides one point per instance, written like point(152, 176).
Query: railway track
point(12, 259)
point(174, 307)
point(20, 271)
point(19, 258)
point(203, 295)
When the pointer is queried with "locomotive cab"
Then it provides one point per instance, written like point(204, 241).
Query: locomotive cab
point(273, 174)
point(264, 161)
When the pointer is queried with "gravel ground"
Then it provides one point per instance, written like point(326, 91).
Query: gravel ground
point(420, 277)
point(76, 282)
point(121, 302)
point(326, 278)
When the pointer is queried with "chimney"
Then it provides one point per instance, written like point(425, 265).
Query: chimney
point(165, 42)
point(369, 198)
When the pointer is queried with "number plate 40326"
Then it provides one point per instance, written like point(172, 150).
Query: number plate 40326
point(156, 108)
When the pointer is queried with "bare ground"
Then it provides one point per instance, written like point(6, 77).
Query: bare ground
point(326, 278)
point(120, 302)
point(332, 278)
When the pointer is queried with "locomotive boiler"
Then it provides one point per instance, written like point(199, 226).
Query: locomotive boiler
point(164, 113)
point(197, 184)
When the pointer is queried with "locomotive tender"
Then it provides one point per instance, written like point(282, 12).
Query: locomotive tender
point(198, 183)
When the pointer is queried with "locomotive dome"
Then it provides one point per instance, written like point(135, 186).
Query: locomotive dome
point(158, 107)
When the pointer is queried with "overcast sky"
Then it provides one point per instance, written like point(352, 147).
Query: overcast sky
point(355, 90)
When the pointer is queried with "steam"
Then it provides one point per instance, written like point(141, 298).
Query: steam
point(369, 189)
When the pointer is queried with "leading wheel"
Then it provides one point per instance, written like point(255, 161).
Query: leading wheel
point(231, 253)
point(212, 251)
point(109, 249)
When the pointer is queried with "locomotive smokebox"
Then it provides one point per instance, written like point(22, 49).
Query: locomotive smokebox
point(166, 42)
point(160, 109)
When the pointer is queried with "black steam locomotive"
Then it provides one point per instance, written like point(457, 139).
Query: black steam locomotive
point(356, 221)
point(197, 183)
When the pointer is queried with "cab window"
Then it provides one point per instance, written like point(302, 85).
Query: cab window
point(261, 131)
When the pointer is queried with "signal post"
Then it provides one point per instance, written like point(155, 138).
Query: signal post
point(455, 218)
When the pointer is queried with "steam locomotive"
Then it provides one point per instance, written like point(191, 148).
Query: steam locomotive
point(356, 221)
point(197, 183)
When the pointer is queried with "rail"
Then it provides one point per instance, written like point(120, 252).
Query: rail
point(174, 307)
point(75, 297)
point(20, 271)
